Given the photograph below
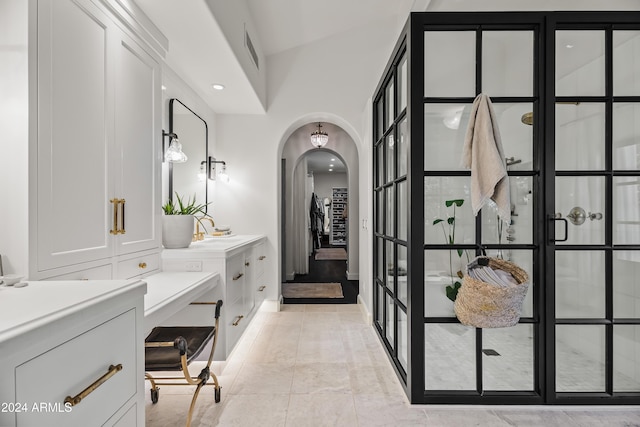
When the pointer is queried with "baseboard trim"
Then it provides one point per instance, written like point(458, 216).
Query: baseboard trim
point(270, 306)
point(368, 317)
point(353, 276)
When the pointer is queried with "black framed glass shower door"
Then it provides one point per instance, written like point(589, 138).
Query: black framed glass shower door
point(564, 88)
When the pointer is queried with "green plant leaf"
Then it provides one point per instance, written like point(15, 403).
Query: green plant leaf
point(460, 252)
point(452, 291)
point(448, 203)
point(451, 240)
point(451, 220)
point(458, 202)
point(437, 221)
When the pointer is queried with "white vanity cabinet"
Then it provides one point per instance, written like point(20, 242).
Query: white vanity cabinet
point(240, 262)
point(94, 142)
point(57, 339)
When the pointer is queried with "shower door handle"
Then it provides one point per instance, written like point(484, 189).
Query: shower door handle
point(566, 229)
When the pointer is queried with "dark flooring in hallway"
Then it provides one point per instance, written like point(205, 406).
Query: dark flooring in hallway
point(327, 271)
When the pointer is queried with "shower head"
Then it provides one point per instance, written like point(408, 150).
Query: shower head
point(527, 118)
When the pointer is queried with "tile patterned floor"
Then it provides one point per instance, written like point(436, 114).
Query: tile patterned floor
point(321, 365)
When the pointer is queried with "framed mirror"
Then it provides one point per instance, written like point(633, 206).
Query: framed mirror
point(189, 178)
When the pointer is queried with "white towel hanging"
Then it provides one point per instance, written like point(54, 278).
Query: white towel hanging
point(483, 154)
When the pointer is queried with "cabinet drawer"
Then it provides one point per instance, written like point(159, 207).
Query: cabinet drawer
point(71, 367)
point(234, 323)
point(260, 258)
point(235, 277)
point(103, 272)
point(138, 266)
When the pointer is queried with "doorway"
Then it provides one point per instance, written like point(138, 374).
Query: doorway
point(567, 99)
point(321, 227)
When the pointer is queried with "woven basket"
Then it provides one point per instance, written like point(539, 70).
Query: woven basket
point(484, 305)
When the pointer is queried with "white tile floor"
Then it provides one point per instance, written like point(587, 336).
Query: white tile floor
point(321, 365)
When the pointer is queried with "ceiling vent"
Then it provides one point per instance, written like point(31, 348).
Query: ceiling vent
point(252, 51)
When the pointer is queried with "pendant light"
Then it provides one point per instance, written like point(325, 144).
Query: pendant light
point(319, 138)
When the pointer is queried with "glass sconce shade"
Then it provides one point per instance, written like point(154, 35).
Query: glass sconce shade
point(174, 153)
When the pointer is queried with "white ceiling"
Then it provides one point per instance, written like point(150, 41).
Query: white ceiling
point(320, 161)
point(285, 24)
point(199, 52)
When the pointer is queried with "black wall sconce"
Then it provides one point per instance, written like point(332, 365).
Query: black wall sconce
point(173, 153)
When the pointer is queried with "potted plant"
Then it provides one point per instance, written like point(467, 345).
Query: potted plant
point(450, 237)
point(178, 222)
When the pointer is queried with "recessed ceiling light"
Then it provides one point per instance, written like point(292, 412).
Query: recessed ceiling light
point(333, 160)
point(331, 165)
point(330, 170)
point(217, 86)
point(569, 46)
point(163, 87)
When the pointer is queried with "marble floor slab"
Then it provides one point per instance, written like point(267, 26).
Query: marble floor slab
point(322, 365)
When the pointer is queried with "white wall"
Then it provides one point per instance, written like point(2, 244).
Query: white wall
point(325, 182)
point(14, 122)
point(300, 92)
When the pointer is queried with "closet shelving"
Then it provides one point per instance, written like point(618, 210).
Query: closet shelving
point(339, 198)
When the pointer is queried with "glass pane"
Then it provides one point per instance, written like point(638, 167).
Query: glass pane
point(449, 357)
point(403, 204)
point(403, 148)
point(380, 308)
point(380, 260)
point(580, 140)
point(512, 367)
point(580, 284)
point(379, 119)
point(437, 190)
point(626, 210)
point(626, 136)
point(521, 229)
point(586, 193)
point(402, 274)
point(444, 129)
point(388, 97)
point(391, 319)
point(446, 124)
point(380, 163)
point(389, 203)
point(402, 339)
point(626, 358)
point(449, 63)
point(524, 260)
point(580, 358)
point(626, 63)
point(440, 272)
point(390, 265)
point(389, 144)
point(580, 63)
point(403, 78)
point(380, 211)
point(507, 63)
point(626, 287)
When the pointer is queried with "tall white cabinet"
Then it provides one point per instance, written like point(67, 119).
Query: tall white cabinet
point(97, 180)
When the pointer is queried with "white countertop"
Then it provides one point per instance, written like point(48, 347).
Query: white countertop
point(42, 302)
point(169, 292)
point(213, 246)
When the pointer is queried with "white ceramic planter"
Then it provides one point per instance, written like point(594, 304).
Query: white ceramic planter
point(177, 231)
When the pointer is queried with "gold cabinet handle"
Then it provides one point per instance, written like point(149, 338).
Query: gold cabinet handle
point(238, 276)
point(238, 319)
point(261, 257)
point(115, 202)
point(73, 401)
point(142, 265)
point(261, 288)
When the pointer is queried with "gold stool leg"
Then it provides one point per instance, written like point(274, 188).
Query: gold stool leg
point(193, 403)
